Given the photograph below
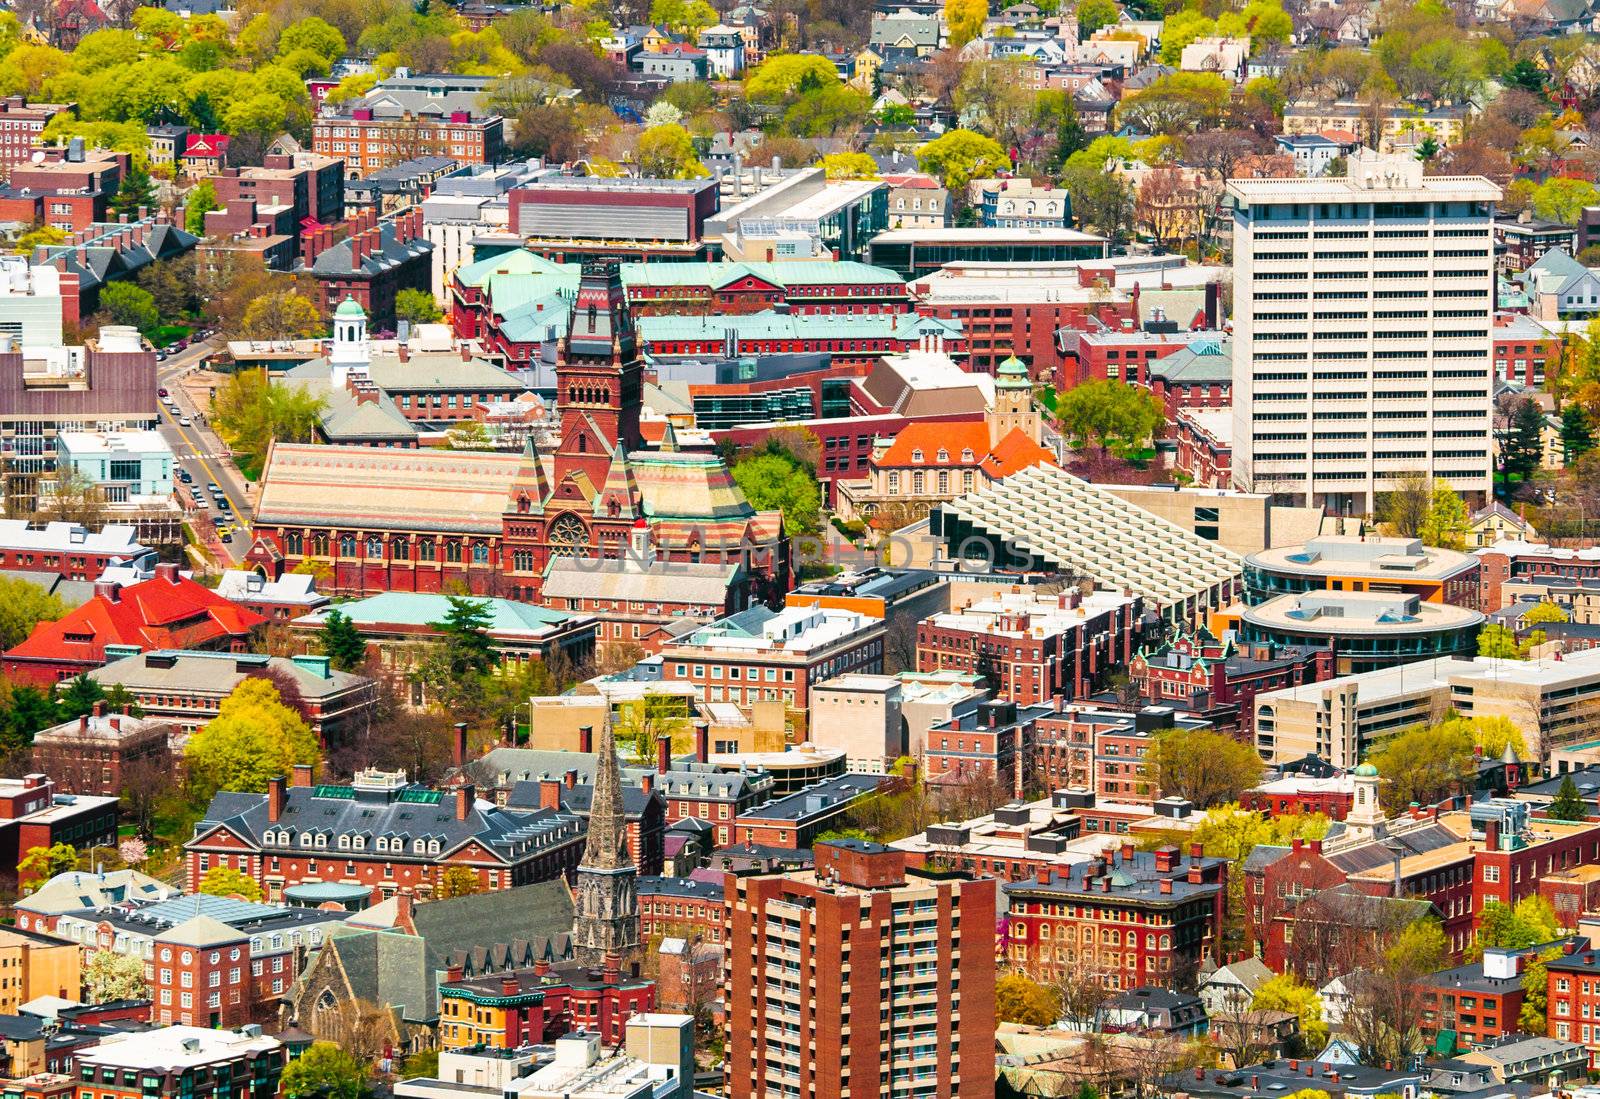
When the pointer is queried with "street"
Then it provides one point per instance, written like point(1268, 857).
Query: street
point(204, 457)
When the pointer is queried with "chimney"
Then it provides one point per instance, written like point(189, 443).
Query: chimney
point(612, 974)
point(1166, 885)
point(647, 783)
point(459, 752)
point(1194, 873)
point(277, 796)
point(663, 754)
point(1127, 851)
point(466, 794)
point(302, 775)
point(702, 741)
point(1491, 835)
point(1316, 847)
point(99, 708)
point(1196, 852)
point(508, 985)
point(541, 967)
point(168, 571)
point(586, 738)
point(1042, 875)
point(570, 779)
point(549, 793)
point(83, 723)
point(108, 590)
point(1297, 844)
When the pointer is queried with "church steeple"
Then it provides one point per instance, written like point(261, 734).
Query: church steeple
point(605, 920)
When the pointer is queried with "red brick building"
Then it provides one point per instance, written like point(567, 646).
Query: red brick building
point(1531, 562)
point(795, 820)
point(1333, 797)
point(167, 611)
point(678, 906)
point(850, 1028)
point(370, 140)
point(537, 1005)
point(71, 551)
point(1478, 1004)
point(372, 265)
point(731, 287)
point(380, 832)
point(1205, 446)
point(21, 123)
point(202, 975)
point(1524, 352)
point(1216, 680)
point(1121, 352)
point(32, 816)
point(1130, 918)
point(1103, 751)
point(1032, 648)
point(96, 753)
point(1572, 1008)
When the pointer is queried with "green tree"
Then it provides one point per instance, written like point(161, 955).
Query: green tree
point(416, 306)
point(849, 166)
point(1568, 804)
point(1107, 413)
point(1094, 14)
point(1530, 922)
point(324, 1071)
point(1179, 102)
point(22, 607)
point(27, 709)
point(135, 191)
point(465, 627)
point(667, 152)
point(783, 76)
point(1202, 765)
point(960, 156)
point(109, 977)
point(778, 482)
point(1420, 948)
point(963, 20)
point(253, 739)
point(1545, 611)
point(1497, 641)
point(128, 304)
point(1536, 992)
point(1522, 446)
point(34, 238)
point(1563, 199)
point(1180, 29)
point(1018, 999)
point(1284, 993)
point(341, 642)
point(314, 34)
point(224, 881)
point(1447, 520)
point(201, 200)
point(1577, 433)
point(39, 864)
point(250, 412)
point(1424, 764)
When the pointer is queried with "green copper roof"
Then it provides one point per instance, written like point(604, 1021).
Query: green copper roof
point(350, 308)
point(1367, 770)
point(1013, 374)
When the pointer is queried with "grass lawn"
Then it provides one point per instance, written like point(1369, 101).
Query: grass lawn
point(169, 334)
point(1047, 397)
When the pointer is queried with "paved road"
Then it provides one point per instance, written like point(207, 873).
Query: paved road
point(203, 455)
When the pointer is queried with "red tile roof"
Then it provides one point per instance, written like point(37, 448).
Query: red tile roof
point(955, 440)
point(1014, 453)
point(168, 612)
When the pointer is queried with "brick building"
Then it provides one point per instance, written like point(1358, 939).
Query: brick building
point(1478, 1004)
point(993, 740)
point(404, 117)
point(1122, 352)
point(1101, 750)
point(1192, 671)
point(35, 813)
point(535, 1006)
point(383, 833)
point(1033, 648)
point(70, 188)
point(1572, 1003)
point(923, 1020)
point(372, 265)
point(100, 751)
point(1129, 917)
point(71, 551)
point(683, 906)
point(716, 797)
point(1205, 446)
point(21, 123)
point(1531, 561)
point(1332, 796)
point(795, 820)
point(1524, 351)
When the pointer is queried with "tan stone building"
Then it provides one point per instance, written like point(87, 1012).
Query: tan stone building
point(34, 964)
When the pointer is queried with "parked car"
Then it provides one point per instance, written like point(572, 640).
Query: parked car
point(183, 421)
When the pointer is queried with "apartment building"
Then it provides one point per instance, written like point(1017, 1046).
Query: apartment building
point(803, 1022)
point(1362, 332)
point(187, 1061)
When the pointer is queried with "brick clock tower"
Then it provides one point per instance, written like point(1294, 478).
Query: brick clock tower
point(591, 501)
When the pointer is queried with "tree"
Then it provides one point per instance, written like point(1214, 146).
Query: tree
point(341, 642)
point(314, 34)
point(22, 607)
point(849, 166)
point(253, 739)
point(640, 721)
point(1424, 764)
point(109, 977)
point(1577, 433)
point(1019, 999)
point(1562, 199)
point(1568, 804)
point(224, 881)
point(1447, 520)
point(136, 191)
point(1206, 767)
point(1536, 992)
point(281, 315)
point(1284, 993)
point(551, 131)
point(201, 200)
point(1081, 995)
point(1522, 444)
point(667, 152)
point(1545, 611)
point(779, 482)
point(128, 304)
point(964, 20)
point(1405, 507)
point(1177, 103)
point(1497, 641)
point(250, 412)
point(1105, 412)
point(1094, 14)
point(960, 156)
point(1530, 922)
point(457, 881)
point(416, 306)
point(325, 1071)
point(40, 864)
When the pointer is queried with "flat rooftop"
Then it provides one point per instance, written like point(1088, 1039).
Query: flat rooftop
point(1370, 556)
point(1337, 612)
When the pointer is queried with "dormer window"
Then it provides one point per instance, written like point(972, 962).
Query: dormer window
point(967, 455)
point(916, 455)
point(944, 455)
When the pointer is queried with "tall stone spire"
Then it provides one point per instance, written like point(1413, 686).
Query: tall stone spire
point(605, 920)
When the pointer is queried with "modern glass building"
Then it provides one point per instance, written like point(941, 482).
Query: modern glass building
point(913, 252)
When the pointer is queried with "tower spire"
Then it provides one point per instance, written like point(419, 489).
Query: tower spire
point(605, 920)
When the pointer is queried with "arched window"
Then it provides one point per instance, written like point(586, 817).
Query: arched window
point(522, 560)
point(374, 546)
point(480, 553)
point(319, 544)
point(568, 536)
point(967, 455)
point(400, 549)
point(294, 542)
point(916, 455)
point(347, 545)
point(452, 552)
point(583, 443)
point(944, 455)
point(425, 549)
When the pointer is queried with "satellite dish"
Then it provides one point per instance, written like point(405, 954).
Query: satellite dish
point(38, 156)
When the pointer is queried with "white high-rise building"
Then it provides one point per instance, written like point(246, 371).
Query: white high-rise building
point(1363, 309)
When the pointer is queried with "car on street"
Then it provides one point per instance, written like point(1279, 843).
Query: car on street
point(162, 392)
point(213, 487)
point(183, 421)
point(226, 537)
point(185, 476)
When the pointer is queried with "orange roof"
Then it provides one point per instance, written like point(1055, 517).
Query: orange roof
point(932, 439)
point(1014, 453)
point(167, 612)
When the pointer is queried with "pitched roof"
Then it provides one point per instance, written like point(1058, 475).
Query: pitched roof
point(165, 612)
point(1014, 453)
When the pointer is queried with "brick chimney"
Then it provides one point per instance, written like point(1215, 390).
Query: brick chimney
point(663, 754)
point(459, 745)
point(277, 796)
point(302, 775)
point(702, 741)
point(570, 779)
point(549, 793)
point(108, 590)
point(1166, 885)
point(466, 794)
point(586, 738)
point(509, 986)
point(168, 571)
point(647, 783)
point(83, 723)
point(99, 708)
